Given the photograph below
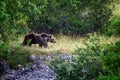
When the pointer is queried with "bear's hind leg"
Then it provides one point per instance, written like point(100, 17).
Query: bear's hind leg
point(25, 41)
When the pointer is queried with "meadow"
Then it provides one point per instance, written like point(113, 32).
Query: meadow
point(64, 44)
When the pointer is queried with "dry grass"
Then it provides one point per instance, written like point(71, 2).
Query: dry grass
point(65, 44)
point(117, 8)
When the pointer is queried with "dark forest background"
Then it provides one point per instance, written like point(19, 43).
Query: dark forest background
point(70, 17)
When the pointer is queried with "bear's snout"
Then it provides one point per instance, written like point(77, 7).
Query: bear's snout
point(52, 41)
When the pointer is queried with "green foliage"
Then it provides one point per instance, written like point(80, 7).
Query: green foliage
point(112, 58)
point(62, 69)
point(114, 26)
point(4, 50)
point(111, 62)
point(13, 56)
point(109, 77)
point(17, 56)
point(67, 16)
point(12, 24)
point(53, 16)
point(86, 66)
point(12, 19)
point(89, 62)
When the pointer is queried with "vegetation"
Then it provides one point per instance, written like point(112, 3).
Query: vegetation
point(87, 28)
point(111, 62)
point(86, 67)
point(95, 61)
point(12, 19)
point(114, 26)
point(53, 16)
point(68, 17)
point(13, 55)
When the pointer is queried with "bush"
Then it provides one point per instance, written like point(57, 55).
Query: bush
point(18, 56)
point(89, 60)
point(114, 26)
point(62, 69)
point(109, 77)
point(4, 50)
point(11, 24)
point(13, 56)
point(111, 62)
point(112, 58)
point(86, 67)
point(67, 17)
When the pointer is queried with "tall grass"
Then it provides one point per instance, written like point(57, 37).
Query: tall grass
point(64, 44)
point(117, 8)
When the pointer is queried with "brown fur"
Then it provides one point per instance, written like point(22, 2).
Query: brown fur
point(41, 39)
point(43, 35)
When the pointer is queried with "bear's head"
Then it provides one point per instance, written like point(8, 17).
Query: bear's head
point(51, 39)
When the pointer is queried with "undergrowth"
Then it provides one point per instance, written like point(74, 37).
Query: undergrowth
point(89, 65)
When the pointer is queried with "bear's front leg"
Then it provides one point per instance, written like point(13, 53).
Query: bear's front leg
point(45, 45)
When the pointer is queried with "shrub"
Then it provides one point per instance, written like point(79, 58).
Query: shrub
point(4, 50)
point(18, 56)
point(13, 56)
point(11, 24)
point(86, 67)
point(88, 64)
point(67, 17)
point(112, 58)
point(114, 26)
point(111, 62)
point(62, 69)
point(109, 77)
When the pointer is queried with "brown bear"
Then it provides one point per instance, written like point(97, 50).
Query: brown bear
point(41, 39)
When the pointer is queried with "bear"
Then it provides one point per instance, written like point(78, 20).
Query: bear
point(41, 39)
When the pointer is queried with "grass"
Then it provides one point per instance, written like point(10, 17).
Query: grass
point(65, 44)
point(117, 8)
